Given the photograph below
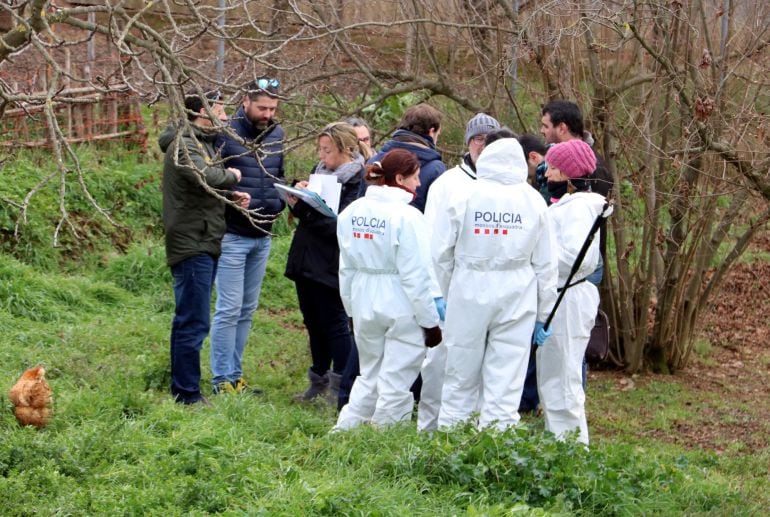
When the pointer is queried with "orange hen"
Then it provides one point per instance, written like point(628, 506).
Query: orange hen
point(31, 396)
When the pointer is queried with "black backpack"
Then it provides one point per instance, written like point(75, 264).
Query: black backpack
point(599, 342)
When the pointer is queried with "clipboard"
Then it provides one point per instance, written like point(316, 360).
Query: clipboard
point(309, 197)
point(326, 186)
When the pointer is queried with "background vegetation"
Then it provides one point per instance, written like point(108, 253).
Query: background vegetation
point(97, 316)
point(675, 94)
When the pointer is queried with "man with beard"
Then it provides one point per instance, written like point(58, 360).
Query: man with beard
point(245, 247)
point(562, 121)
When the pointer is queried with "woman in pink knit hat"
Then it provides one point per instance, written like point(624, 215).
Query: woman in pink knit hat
point(560, 356)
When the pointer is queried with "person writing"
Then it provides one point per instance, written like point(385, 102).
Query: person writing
point(313, 263)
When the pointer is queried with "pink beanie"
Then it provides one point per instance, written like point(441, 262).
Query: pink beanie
point(574, 158)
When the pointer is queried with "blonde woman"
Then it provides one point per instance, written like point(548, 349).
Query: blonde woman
point(313, 264)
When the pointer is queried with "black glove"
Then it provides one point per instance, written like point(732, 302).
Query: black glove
point(432, 336)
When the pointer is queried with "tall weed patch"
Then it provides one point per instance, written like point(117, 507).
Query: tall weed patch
point(28, 294)
point(141, 269)
point(522, 466)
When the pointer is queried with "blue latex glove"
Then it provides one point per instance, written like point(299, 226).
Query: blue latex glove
point(540, 334)
point(440, 307)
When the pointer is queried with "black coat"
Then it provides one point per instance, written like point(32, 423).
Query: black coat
point(314, 253)
point(259, 172)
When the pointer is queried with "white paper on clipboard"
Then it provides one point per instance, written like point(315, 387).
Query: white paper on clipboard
point(326, 186)
point(311, 198)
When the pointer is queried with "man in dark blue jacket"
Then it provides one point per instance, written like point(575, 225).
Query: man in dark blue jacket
point(418, 132)
point(246, 244)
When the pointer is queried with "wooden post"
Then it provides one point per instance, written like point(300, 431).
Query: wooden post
point(112, 111)
point(68, 109)
point(88, 118)
point(77, 115)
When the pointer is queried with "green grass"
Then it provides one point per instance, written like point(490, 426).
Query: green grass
point(118, 444)
point(750, 257)
point(96, 313)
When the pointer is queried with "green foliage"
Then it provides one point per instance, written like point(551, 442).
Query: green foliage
point(750, 257)
point(39, 297)
point(123, 183)
point(386, 114)
point(521, 466)
point(702, 347)
point(117, 444)
point(142, 268)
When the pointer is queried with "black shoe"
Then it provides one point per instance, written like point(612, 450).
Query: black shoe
point(203, 401)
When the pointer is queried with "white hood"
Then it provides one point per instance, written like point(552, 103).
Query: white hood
point(502, 161)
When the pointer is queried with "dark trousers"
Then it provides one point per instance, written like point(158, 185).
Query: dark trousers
point(193, 280)
point(529, 397)
point(349, 374)
point(327, 325)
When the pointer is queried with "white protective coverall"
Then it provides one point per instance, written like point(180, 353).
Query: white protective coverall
point(451, 183)
point(493, 253)
point(387, 287)
point(560, 359)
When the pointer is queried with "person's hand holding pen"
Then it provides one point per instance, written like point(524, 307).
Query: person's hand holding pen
point(292, 200)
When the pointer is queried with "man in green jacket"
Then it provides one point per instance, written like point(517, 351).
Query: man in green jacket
point(194, 220)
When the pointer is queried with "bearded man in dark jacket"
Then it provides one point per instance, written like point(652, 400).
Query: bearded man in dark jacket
point(258, 154)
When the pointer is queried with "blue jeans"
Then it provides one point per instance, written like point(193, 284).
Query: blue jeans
point(239, 280)
point(193, 278)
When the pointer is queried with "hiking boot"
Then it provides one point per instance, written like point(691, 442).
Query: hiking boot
point(223, 388)
point(319, 384)
point(197, 401)
point(241, 386)
point(203, 401)
point(333, 394)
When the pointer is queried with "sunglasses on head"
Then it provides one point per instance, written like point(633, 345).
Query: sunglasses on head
point(267, 83)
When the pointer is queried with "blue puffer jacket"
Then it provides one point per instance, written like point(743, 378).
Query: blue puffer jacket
point(258, 172)
point(431, 165)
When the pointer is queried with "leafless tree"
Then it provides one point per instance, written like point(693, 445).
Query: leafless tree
point(674, 91)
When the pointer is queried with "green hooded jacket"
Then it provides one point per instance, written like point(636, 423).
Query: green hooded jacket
point(194, 219)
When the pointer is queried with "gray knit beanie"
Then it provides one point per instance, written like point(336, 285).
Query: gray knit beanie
point(480, 124)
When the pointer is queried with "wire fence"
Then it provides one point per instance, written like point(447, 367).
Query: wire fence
point(82, 115)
